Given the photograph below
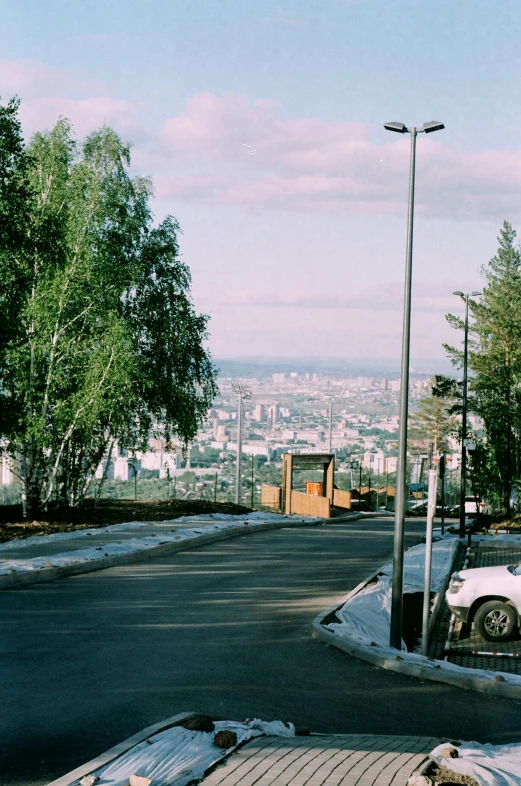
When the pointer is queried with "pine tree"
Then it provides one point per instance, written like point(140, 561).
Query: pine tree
point(433, 422)
point(495, 363)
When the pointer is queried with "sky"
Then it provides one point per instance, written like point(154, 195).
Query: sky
point(261, 123)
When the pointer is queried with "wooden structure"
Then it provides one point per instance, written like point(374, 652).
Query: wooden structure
point(270, 496)
point(308, 504)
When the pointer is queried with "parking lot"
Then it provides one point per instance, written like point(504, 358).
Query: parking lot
point(466, 640)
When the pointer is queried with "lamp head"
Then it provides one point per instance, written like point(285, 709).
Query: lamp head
point(433, 125)
point(400, 128)
point(475, 294)
point(460, 294)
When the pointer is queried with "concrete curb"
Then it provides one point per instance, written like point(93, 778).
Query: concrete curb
point(470, 681)
point(14, 580)
point(122, 747)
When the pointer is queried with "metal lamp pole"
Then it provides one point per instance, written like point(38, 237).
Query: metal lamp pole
point(330, 422)
point(243, 393)
point(399, 525)
point(463, 486)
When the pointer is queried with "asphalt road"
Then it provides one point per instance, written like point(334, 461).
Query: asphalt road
point(89, 660)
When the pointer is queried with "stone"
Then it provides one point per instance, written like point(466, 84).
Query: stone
point(302, 731)
point(89, 780)
point(199, 723)
point(499, 678)
point(448, 752)
point(225, 739)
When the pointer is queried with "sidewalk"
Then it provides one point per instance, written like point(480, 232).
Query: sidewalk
point(325, 760)
point(269, 755)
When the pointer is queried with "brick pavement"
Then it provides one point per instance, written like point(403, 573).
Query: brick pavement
point(324, 760)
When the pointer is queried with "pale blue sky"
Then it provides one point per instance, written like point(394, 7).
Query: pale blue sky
point(304, 239)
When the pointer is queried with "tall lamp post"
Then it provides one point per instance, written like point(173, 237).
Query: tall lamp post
point(243, 393)
point(463, 486)
point(399, 521)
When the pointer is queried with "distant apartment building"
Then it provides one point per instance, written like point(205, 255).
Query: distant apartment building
point(259, 413)
point(278, 378)
point(273, 414)
point(394, 385)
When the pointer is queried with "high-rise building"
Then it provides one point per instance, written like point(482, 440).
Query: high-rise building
point(259, 413)
point(273, 414)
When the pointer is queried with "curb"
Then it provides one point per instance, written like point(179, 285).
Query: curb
point(433, 673)
point(119, 749)
point(25, 578)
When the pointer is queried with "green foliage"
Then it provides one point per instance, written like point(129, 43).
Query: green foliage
point(433, 423)
point(100, 338)
point(495, 360)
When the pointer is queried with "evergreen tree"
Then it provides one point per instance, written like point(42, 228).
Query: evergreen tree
point(495, 360)
point(433, 423)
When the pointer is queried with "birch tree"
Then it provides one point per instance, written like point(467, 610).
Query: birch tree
point(101, 340)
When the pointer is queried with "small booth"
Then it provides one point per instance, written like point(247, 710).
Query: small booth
point(319, 497)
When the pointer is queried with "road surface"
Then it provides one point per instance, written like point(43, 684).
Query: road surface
point(89, 660)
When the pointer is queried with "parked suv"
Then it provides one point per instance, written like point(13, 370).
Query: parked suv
point(489, 597)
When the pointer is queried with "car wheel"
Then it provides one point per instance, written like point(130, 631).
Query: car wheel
point(495, 620)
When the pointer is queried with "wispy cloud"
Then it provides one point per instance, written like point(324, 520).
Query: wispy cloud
point(427, 298)
point(300, 164)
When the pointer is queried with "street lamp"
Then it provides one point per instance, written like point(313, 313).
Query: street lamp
point(463, 487)
point(243, 393)
point(331, 396)
point(399, 525)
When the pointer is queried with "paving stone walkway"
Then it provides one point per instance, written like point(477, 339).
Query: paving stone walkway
point(324, 760)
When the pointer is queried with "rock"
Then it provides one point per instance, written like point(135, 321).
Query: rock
point(89, 780)
point(448, 752)
point(225, 739)
point(302, 731)
point(419, 780)
point(499, 678)
point(199, 723)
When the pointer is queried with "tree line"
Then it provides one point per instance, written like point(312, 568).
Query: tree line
point(100, 343)
point(494, 363)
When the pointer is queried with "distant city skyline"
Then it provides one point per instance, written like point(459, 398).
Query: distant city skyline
point(261, 124)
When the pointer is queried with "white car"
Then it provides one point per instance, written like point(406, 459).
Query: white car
point(489, 597)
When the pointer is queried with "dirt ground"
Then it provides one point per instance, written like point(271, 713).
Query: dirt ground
point(12, 524)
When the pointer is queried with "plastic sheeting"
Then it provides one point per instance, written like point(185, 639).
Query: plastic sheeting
point(208, 524)
point(366, 617)
point(489, 765)
point(176, 756)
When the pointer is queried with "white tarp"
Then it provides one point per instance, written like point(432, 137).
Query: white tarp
point(143, 543)
point(489, 765)
point(176, 756)
point(366, 617)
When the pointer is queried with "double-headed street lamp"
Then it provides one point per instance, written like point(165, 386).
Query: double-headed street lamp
point(399, 530)
point(463, 487)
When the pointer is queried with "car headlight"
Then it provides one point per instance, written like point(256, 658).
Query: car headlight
point(456, 583)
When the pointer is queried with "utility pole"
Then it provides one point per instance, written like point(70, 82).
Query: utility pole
point(463, 486)
point(330, 422)
point(242, 392)
point(251, 481)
